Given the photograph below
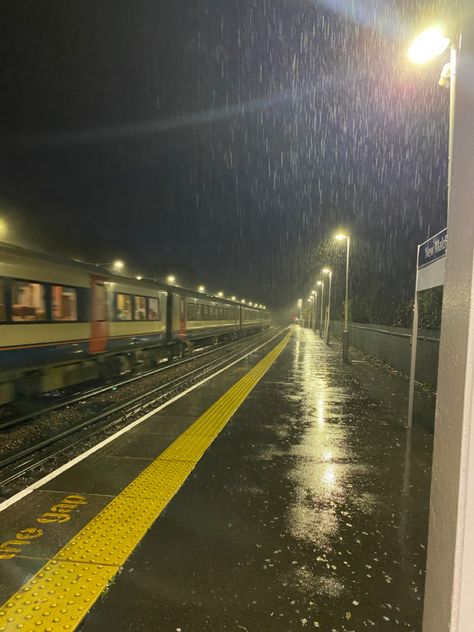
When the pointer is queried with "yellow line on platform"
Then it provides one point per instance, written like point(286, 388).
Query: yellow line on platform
point(61, 593)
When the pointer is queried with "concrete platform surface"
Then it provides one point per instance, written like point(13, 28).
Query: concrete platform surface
point(309, 511)
point(62, 544)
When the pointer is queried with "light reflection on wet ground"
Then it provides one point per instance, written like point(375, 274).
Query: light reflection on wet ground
point(309, 511)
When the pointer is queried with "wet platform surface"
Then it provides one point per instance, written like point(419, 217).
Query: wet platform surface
point(309, 511)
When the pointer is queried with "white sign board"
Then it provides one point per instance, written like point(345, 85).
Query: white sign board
point(431, 262)
point(430, 271)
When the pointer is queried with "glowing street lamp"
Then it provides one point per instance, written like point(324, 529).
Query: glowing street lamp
point(171, 279)
point(345, 333)
point(117, 266)
point(201, 288)
point(428, 45)
point(328, 271)
point(232, 298)
point(220, 294)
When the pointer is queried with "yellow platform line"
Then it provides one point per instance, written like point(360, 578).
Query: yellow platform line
point(60, 594)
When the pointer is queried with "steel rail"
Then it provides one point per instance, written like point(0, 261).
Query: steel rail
point(11, 423)
point(128, 408)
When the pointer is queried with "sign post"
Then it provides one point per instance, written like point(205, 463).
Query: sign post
point(430, 270)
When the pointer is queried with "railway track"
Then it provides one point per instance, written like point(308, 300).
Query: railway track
point(14, 419)
point(99, 412)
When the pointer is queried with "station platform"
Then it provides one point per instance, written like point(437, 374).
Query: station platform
point(284, 493)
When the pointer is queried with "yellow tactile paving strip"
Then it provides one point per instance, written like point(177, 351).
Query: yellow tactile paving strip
point(60, 594)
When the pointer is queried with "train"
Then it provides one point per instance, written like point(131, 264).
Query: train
point(64, 322)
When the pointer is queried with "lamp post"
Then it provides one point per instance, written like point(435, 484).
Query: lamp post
point(426, 47)
point(345, 333)
point(321, 284)
point(328, 271)
point(313, 310)
point(314, 294)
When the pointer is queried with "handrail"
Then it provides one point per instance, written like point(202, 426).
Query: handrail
point(398, 334)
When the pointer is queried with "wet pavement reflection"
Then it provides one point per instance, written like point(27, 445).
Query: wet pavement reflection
point(309, 511)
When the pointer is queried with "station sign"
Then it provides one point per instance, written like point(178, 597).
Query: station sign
point(432, 249)
point(431, 261)
point(430, 272)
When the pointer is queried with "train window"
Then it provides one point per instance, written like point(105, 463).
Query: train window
point(198, 311)
point(205, 312)
point(140, 308)
point(3, 313)
point(28, 303)
point(124, 307)
point(153, 309)
point(64, 302)
point(191, 311)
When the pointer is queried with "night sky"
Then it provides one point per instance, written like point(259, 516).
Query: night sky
point(225, 138)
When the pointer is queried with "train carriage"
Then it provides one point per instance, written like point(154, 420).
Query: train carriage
point(64, 322)
point(210, 318)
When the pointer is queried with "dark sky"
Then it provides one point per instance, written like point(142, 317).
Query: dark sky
point(230, 136)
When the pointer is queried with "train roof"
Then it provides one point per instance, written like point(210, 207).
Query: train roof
point(91, 268)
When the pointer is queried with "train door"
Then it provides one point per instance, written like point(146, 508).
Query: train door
point(182, 316)
point(98, 316)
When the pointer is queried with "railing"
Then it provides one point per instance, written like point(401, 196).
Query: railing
point(392, 346)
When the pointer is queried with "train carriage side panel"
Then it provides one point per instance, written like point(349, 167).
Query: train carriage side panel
point(137, 315)
point(210, 318)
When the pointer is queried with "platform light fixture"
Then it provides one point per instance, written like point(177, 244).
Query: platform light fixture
point(243, 301)
point(428, 45)
point(139, 277)
point(220, 294)
point(201, 288)
point(232, 298)
point(171, 279)
point(118, 265)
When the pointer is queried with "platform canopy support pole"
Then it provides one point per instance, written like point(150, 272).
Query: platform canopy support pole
point(449, 602)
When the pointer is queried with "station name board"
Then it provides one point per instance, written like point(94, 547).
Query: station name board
point(433, 249)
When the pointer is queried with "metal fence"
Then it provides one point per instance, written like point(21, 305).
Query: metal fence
point(392, 346)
